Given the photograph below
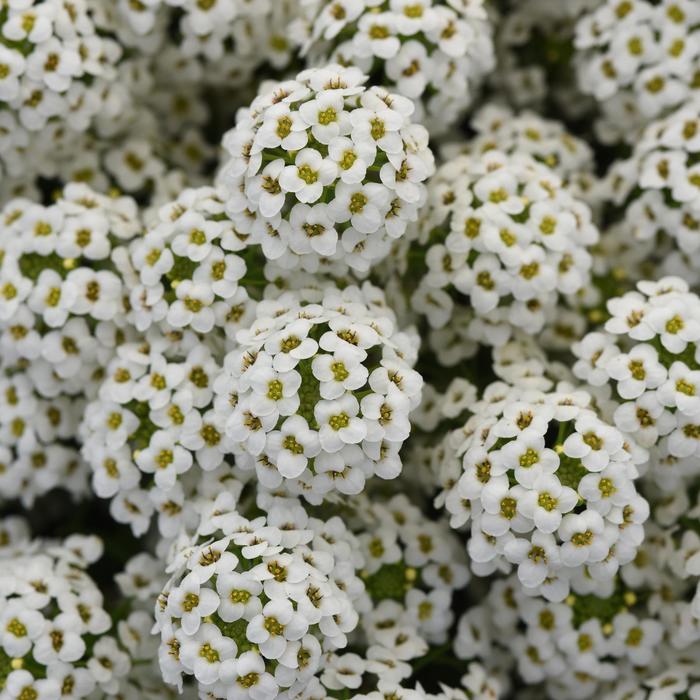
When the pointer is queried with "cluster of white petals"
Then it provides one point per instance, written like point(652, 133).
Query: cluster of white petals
point(638, 59)
point(435, 52)
point(657, 193)
point(646, 356)
point(349, 349)
point(317, 394)
point(322, 167)
point(190, 269)
point(252, 608)
point(503, 239)
point(57, 640)
point(547, 487)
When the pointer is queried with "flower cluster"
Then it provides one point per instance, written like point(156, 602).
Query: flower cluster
point(252, 607)
point(547, 141)
point(153, 419)
point(578, 647)
point(317, 396)
point(57, 639)
point(216, 41)
point(323, 167)
point(60, 265)
point(61, 316)
point(503, 234)
point(435, 52)
point(647, 355)
point(548, 486)
point(412, 568)
point(56, 70)
point(353, 420)
point(189, 270)
point(655, 193)
point(638, 59)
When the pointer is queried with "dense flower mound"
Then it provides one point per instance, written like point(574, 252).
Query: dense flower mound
point(323, 167)
point(57, 67)
point(503, 237)
point(548, 141)
point(638, 59)
point(189, 268)
point(547, 486)
point(153, 420)
point(58, 639)
point(61, 266)
point(435, 52)
point(413, 567)
point(62, 313)
point(318, 393)
point(218, 42)
point(647, 354)
point(365, 334)
point(655, 193)
point(577, 647)
point(253, 607)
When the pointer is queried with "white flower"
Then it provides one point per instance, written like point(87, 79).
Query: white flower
point(636, 639)
point(292, 446)
point(190, 602)
point(339, 423)
point(312, 229)
point(334, 135)
point(60, 642)
point(205, 653)
point(20, 628)
point(529, 458)
point(534, 558)
point(593, 442)
point(584, 538)
point(239, 596)
point(248, 679)
point(164, 458)
point(23, 683)
point(547, 502)
point(274, 626)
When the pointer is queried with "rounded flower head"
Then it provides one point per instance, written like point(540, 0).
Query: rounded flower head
point(550, 487)
point(319, 392)
point(322, 167)
point(62, 312)
point(504, 234)
point(57, 637)
point(584, 640)
point(647, 355)
point(251, 607)
point(546, 140)
point(190, 268)
point(435, 52)
point(655, 192)
point(153, 421)
point(638, 60)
